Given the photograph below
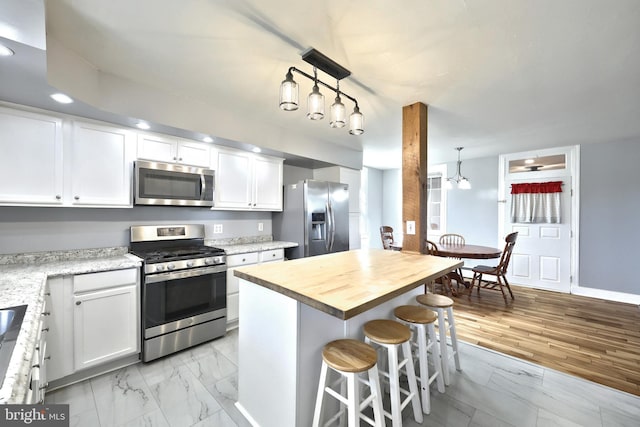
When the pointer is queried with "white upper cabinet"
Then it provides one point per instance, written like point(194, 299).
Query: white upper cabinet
point(173, 150)
point(246, 181)
point(31, 160)
point(101, 164)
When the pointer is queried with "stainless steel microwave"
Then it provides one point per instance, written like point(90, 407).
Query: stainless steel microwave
point(167, 184)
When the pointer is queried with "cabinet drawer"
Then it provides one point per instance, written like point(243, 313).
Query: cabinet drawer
point(104, 279)
point(242, 259)
point(272, 255)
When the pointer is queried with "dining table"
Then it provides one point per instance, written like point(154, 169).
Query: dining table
point(465, 251)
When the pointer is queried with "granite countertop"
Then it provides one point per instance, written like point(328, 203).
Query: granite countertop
point(243, 245)
point(22, 281)
point(345, 284)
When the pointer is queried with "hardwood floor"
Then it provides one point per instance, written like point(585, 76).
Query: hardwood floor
point(591, 338)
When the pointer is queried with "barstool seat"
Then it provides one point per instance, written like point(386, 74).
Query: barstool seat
point(348, 358)
point(440, 303)
point(421, 320)
point(389, 335)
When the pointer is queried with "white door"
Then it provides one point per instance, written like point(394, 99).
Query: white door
point(543, 255)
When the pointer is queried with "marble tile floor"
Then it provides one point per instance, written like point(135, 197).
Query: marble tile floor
point(198, 387)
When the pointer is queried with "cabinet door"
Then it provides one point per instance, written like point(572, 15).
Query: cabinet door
point(101, 165)
point(105, 325)
point(234, 261)
point(233, 180)
point(194, 153)
point(156, 147)
point(31, 160)
point(267, 182)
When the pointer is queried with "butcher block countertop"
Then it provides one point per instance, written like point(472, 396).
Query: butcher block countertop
point(345, 284)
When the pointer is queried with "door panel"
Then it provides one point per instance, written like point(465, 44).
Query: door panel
point(541, 257)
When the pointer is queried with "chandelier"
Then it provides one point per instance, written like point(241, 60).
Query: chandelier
point(462, 182)
point(315, 100)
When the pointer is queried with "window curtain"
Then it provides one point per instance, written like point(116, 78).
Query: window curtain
point(536, 202)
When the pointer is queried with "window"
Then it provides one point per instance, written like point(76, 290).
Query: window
point(436, 200)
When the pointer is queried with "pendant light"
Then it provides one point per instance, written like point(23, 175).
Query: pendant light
point(315, 100)
point(338, 112)
point(462, 182)
point(289, 93)
point(356, 122)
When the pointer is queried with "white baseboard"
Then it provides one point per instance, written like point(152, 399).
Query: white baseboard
point(607, 295)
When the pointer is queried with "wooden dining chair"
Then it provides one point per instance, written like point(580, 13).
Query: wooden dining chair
point(454, 239)
point(386, 234)
point(443, 281)
point(499, 271)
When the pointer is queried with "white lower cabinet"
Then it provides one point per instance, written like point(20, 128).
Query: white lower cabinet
point(243, 260)
point(96, 318)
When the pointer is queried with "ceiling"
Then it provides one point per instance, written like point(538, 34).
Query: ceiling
point(498, 76)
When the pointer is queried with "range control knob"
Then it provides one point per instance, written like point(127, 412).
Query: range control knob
point(170, 266)
point(160, 267)
point(190, 264)
point(208, 261)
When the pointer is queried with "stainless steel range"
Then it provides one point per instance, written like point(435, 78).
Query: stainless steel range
point(184, 288)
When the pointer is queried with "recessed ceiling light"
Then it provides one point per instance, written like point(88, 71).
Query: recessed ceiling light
point(207, 139)
point(5, 51)
point(61, 98)
point(256, 150)
point(143, 125)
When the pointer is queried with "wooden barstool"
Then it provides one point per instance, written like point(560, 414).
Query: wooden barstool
point(390, 335)
point(440, 303)
point(348, 358)
point(421, 320)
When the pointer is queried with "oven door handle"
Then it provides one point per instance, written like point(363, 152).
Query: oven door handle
point(174, 275)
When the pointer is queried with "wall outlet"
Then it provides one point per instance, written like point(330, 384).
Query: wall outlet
point(260, 226)
point(217, 228)
point(411, 227)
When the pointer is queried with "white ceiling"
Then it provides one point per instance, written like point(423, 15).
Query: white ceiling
point(498, 76)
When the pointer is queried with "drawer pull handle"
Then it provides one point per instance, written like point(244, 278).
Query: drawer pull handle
point(47, 358)
point(45, 330)
point(78, 302)
point(46, 313)
point(44, 387)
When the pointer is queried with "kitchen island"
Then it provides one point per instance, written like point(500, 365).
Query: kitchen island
point(290, 310)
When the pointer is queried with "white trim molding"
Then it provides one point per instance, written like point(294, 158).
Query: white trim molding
point(606, 295)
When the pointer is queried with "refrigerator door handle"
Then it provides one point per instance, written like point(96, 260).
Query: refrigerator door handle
point(327, 213)
point(332, 227)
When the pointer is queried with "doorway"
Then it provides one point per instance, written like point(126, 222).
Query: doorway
point(545, 255)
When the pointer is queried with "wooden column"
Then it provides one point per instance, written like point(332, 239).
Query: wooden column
point(414, 175)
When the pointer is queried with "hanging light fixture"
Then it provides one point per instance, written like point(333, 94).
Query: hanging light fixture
point(289, 93)
point(462, 182)
point(338, 111)
point(315, 100)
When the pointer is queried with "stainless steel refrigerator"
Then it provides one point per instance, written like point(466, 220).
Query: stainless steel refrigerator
point(315, 216)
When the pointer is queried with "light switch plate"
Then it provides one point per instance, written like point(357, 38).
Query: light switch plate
point(260, 226)
point(217, 228)
point(411, 227)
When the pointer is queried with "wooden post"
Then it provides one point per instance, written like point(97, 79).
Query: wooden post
point(414, 175)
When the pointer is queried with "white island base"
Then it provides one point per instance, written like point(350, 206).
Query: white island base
point(280, 352)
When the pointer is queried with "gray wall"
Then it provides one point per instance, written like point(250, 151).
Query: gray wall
point(474, 213)
point(392, 202)
point(33, 229)
point(293, 174)
point(609, 211)
point(371, 214)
